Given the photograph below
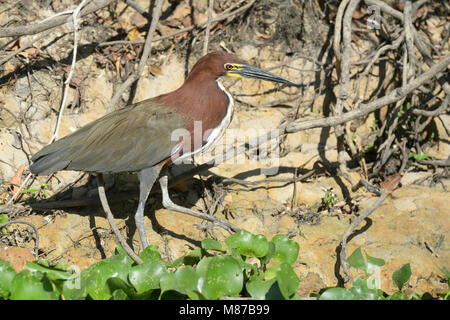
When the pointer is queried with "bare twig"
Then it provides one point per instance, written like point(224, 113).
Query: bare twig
point(344, 84)
point(208, 26)
point(76, 25)
point(110, 217)
point(145, 56)
point(25, 46)
point(50, 23)
point(36, 243)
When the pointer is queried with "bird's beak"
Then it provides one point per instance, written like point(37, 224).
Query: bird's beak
point(248, 71)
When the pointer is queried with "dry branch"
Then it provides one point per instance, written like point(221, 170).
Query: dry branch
point(145, 56)
point(366, 108)
point(54, 22)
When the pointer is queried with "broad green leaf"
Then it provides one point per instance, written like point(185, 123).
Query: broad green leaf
point(189, 259)
point(371, 261)
point(270, 272)
point(248, 244)
point(7, 274)
point(211, 244)
point(240, 259)
point(286, 251)
point(337, 294)
point(146, 276)
point(401, 276)
point(361, 290)
point(356, 260)
point(119, 294)
point(265, 260)
point(397, 296)
point(374, 271)
point(120, 252)
point(184, 280)
point(258, 288)
point(116, 284)
point(150, 253)
point(287, 281)
point(56, 272)
point(28, 285)
point(223, 278)
point(202, 266)
point(94, 279)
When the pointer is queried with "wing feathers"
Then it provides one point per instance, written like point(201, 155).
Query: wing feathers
point(128, 139)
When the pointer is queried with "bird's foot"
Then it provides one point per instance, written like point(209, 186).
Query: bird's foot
point(168, 204)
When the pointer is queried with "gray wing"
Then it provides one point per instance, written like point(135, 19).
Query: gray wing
point(129, 139)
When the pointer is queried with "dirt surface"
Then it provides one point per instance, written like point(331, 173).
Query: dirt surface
point(412, 225)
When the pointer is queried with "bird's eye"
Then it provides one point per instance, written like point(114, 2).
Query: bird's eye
point(229, 66)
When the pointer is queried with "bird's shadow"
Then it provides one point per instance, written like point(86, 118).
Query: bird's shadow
point(125, 209)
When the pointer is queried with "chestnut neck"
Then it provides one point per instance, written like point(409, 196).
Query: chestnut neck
point(198, 99)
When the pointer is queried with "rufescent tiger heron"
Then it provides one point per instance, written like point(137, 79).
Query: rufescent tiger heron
point(138, 138)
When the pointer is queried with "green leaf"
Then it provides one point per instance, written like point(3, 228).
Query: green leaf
point(94, 280)
point(7, 274)
point(119, 294)
point(116, 284)
point(361, 290)
point(397, 296)
point(265, 260)
point(3, 219)
point(446, 273)
point(242, 263)
point(374, 262)
point(286, 251)
point(401, 276)
point(28, 285)
point(223, 277)
point(418, 156)
point(55, 272)
point(184, 280)
point(356, 260)
point(211, 244)
point(337, 294)
point(248, 244)
point(373, 271)
point(189, 259)
point(146, 276)
point(287, 281)
point(270, 272)
point(202, 266)
point(259, 289)
point(150, 253)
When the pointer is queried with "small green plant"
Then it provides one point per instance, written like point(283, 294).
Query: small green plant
point(35, 193)
point(418, 156)
point(329, 198)
point(367, 287)
point(446, 294)
point(403, 109)
point(3, 219)
point(369, 148)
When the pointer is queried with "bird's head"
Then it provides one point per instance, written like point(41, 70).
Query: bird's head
point(218, 64)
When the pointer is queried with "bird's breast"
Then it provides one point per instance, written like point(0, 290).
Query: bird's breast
point(210, 126)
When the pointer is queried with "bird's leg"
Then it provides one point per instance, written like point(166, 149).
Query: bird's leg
point(110, 217)
point(147, 178)
point(168, 204)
